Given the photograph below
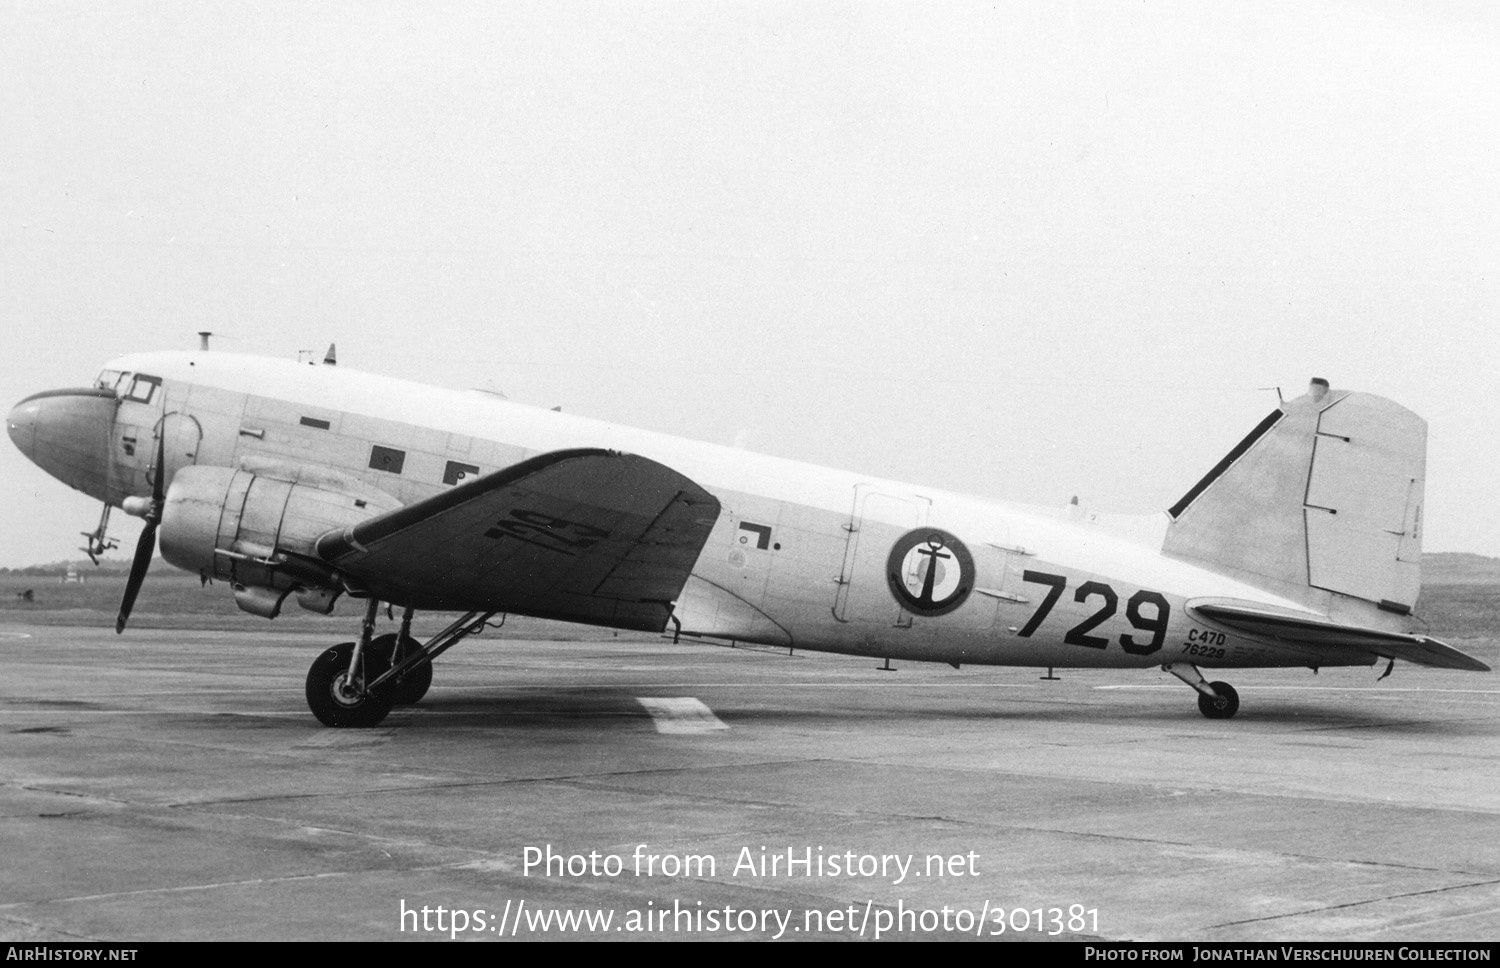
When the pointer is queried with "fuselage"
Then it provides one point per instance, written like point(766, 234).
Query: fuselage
point(800, 555)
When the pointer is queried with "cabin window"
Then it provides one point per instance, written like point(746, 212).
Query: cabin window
point(456, 473)
point(315, 423)
point(387, 459)
point(143, 388)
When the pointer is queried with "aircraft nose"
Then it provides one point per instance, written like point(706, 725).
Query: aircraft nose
point(21, 422)
point(67, 434)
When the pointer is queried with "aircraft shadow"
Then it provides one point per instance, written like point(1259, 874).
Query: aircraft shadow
point(590, 708)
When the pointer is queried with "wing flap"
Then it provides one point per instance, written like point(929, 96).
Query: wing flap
point(579, 535)
point(1313, 631)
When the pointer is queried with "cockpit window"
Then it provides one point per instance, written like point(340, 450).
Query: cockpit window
point(112, 380)
point(143, 388)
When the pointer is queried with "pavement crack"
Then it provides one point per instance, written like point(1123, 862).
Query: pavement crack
point(1355, 904)
point(43, 929)
point(189, 888)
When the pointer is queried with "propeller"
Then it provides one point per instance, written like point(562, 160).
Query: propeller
point(146, 546)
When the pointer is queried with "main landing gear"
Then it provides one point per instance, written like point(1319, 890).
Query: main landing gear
point(1216, 700)
point(355, 684)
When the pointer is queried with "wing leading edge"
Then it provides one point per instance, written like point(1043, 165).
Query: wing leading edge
point(582, 535)
point(1311, 631)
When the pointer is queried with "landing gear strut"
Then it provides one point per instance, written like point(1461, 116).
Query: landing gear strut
point(409, 687)
point(98, 539)
point(341, 685)
point(1216, 700)
point(355, 684)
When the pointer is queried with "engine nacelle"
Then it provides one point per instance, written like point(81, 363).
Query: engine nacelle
point(256, 527)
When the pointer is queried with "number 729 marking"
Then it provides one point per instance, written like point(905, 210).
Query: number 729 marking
point(1078, 634)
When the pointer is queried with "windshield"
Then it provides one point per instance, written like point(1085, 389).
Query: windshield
point(112, 380)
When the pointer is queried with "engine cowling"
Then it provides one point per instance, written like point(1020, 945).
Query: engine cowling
point(256, 526)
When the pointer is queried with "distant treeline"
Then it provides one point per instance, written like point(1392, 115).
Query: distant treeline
point(58, 569)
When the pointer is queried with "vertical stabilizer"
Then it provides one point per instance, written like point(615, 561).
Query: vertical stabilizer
point(1324, 496)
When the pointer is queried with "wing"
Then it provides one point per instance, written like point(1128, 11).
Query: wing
point(1311, 631)
point(579, 535)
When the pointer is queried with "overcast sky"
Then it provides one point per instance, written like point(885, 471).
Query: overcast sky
point(1024, 250)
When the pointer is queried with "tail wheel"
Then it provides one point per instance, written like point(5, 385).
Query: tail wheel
point(331, 696)
point(409, 689)
point(1221, 706)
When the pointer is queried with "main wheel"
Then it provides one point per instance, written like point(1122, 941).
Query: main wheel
point(1223, 706)
point(409, 689)
point(332, 700)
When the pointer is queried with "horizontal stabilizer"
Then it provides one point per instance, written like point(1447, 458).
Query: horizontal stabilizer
point(1313, 631)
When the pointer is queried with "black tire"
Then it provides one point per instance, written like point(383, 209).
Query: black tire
point(1225, 706)
point(409, 689)
point(326, 699)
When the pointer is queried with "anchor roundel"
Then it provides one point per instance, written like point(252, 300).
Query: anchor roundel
point(930, 572)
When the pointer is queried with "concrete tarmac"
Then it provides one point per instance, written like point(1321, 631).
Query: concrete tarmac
point(172, 785)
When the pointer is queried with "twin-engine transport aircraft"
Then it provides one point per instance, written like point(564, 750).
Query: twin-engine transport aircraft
point(1302, 547)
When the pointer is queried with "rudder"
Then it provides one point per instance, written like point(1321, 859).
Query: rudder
point(1323, 498)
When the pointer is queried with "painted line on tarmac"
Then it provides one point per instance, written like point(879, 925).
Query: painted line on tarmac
point(681, 715)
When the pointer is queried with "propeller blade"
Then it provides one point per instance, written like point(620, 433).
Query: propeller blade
point(158, 486)
point(144, 549)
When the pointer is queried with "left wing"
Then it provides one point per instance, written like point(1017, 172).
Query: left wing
point(580, 535)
